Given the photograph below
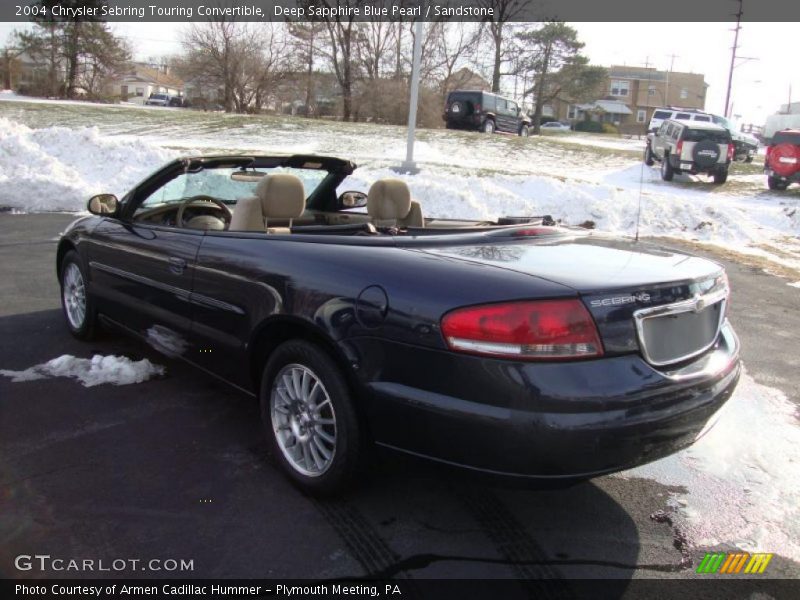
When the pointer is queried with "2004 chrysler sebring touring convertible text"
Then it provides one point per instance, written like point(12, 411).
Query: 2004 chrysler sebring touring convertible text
point(513, 347)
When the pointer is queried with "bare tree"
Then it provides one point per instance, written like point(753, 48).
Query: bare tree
point(306, 44)
point(456, 44)
point(504, 12)
point(241, 60)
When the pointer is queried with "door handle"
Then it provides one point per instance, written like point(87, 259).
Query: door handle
point(177, 265)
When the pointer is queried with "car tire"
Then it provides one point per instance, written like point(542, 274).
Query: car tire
point(667, 172)
point(488, 126)
point(720, 177)
point(648, 156)
point(524, 131)
point(314, 431)
point(774, 183)
point(76, 302)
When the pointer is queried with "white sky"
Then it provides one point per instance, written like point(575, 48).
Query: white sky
point(759, 86)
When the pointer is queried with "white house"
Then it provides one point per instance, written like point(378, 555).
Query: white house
point(142, 80)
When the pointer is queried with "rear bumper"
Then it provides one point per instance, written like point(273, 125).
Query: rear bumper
point(793, 178)
point(685, 166)
point(557, 420)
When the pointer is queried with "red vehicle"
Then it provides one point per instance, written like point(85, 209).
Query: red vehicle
point(782, 163)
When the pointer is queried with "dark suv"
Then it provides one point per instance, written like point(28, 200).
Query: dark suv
point(484, 111)
point(782, 163)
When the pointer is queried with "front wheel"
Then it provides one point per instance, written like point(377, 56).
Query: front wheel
point(488, 126)
point(310, 420)
point(76, 302)
point(667, 172)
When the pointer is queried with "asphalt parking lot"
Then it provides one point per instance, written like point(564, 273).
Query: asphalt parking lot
point(177, 468)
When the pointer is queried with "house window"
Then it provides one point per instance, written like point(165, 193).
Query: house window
point(572, 112)
point(684, 93)
point(641, 115)
point(620, 88)
point(651, 90)
point(140, 91)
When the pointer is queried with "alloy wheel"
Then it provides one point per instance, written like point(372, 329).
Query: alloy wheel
point(303, 420)
point(74, 293)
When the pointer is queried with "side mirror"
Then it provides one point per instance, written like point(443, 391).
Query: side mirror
point(353, 200)
point(103, 204)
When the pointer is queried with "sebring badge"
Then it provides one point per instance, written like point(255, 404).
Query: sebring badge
point(619, 300)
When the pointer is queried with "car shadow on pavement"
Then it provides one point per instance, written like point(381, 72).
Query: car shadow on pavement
point(177, 467)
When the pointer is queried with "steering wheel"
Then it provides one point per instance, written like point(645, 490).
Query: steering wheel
point(226, 216)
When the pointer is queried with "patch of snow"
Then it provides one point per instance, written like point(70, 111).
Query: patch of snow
point(795, 284)
point(743, 477)
point(58, 168)
point(116, 370)
point(462, 175)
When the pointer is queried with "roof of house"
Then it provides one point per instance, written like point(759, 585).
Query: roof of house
point(149, 74)
point(646, 73)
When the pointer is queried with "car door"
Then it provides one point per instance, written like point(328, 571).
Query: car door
point(141, 271)
point(658, 140)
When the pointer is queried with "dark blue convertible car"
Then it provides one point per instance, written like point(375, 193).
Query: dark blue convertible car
point(513, 347)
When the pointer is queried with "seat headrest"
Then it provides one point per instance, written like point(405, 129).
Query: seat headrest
point(388, 199)
point(282, 196)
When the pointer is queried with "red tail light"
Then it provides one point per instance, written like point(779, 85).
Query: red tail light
point(730, 151)
point(679, 148)
point(531, 330)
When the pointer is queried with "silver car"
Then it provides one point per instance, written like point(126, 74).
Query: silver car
point(690, 147)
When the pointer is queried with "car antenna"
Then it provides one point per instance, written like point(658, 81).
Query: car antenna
point(641, 168)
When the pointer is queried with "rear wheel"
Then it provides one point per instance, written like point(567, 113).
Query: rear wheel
point(667, 172)
point(721, 177)
point(76, 302)
point(776, 184)
point(309, 418)
point(488, 126)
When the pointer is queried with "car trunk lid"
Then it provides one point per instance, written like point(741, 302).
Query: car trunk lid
point(664, 304)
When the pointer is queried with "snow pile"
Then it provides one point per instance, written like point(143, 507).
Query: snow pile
point(57, 168)
point(117, 370)
point(743, 477)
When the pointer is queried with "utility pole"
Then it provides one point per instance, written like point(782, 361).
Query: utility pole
point(738, 16)
point(672, 58)
point(409, 166)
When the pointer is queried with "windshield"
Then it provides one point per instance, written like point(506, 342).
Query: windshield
point(218, 184)
point(722, 121)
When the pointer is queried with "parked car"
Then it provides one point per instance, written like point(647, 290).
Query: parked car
point(484, 111)
point(745, 146)
point(676, 114)
point(555, 126)
point(511, 347)
point(178, 102)
point(782, 162)
point(158, 100)
point(690, 147)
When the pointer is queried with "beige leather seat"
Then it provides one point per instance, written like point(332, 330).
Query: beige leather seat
point(389, 204)
point(279, 197)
